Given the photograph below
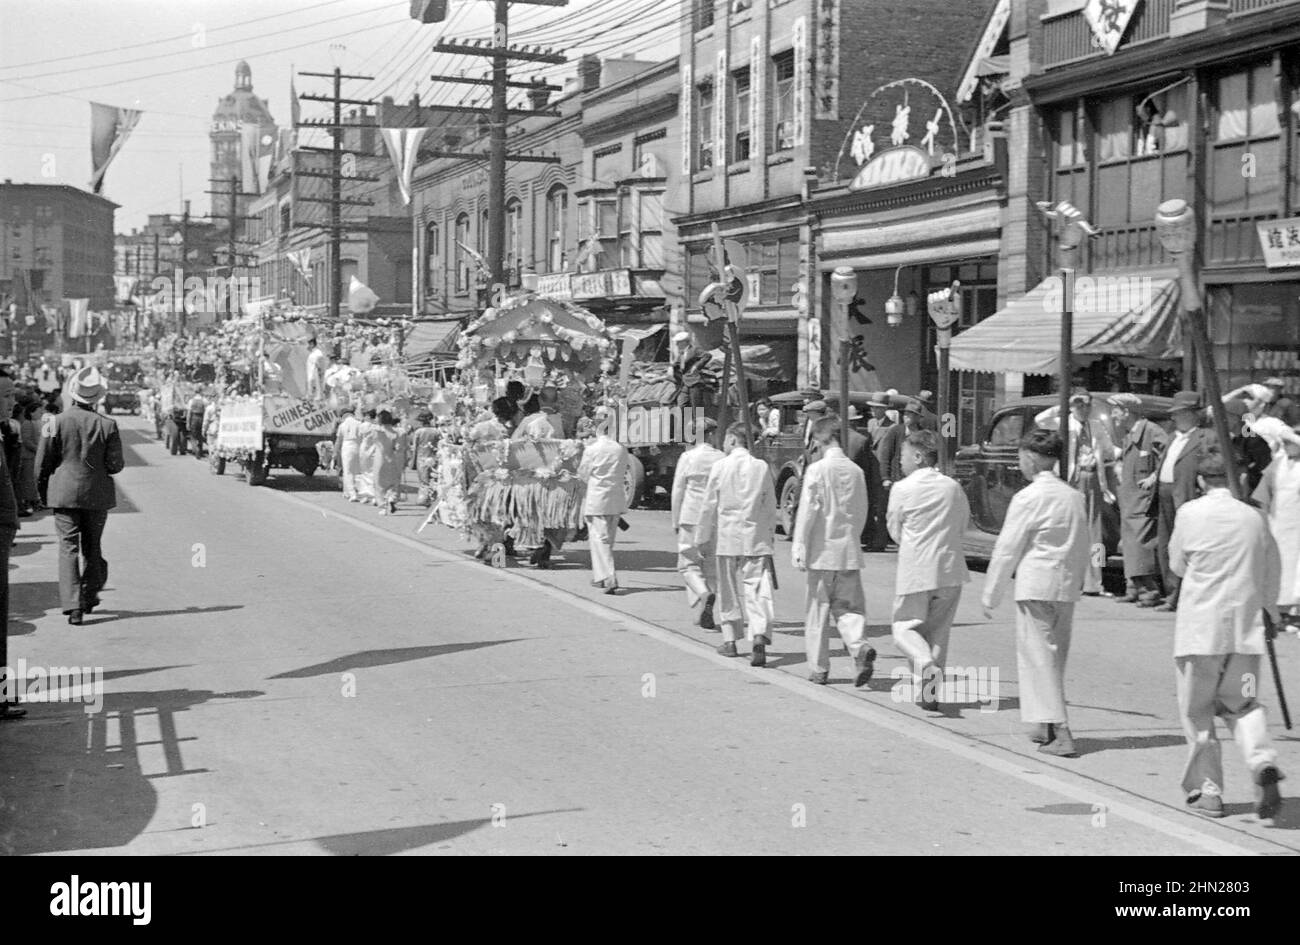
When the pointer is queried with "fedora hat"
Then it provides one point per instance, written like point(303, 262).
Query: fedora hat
point(879, 399)
point(914, 408)
point(87, 385)
point(1186, 400)
point(815, 406)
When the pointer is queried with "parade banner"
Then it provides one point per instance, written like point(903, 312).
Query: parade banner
point(240, 425)
point(288, 416)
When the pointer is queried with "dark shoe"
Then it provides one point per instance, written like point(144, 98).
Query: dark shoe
point(597, 583)
point(1061, 745)
point(1130, 598)
point(1207, 805)
point(612, 588)
point(1167, 608)
point(865, 661)
point(25, 513)
point(11, 713)
point(706, 621)
point(727, 649)
point(930, 680)
point(1151, 602)
point(74, 618)
point(759, 655)
point(1268, 799)
point(1042, 734)
point(819, 678)
point(541, 558)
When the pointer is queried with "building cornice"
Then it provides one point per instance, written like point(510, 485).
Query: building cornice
point(661, 106)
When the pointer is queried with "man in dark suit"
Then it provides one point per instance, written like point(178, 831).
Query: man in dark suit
point(1140, 451)
point(8, 528)
point(1175, 484)
point(77, 461)
point(689, 363)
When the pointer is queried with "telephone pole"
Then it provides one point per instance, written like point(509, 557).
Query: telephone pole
point(336, 176)
point(501, 54)
point(234, 257)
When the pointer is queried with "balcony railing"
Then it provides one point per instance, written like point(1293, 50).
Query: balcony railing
point(1067, 38)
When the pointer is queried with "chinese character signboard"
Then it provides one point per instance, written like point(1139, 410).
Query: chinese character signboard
point(1280, 240)
point(903, 131)
point(1108, 19)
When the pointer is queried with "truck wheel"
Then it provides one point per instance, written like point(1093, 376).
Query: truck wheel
point(305, 465)
point(255, 471)
point(217, 464)
point(789, 505)
point(634, 483)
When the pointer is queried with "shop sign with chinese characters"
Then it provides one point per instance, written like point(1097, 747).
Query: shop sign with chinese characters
point(1280, 240)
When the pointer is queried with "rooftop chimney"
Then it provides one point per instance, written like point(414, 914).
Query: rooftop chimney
point(589, 72)
point(539, 97)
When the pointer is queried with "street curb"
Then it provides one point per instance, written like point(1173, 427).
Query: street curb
point(1027, 770)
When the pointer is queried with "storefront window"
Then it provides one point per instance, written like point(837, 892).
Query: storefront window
point(1255, 332)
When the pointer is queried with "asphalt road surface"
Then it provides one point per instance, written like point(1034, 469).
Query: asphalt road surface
point(287, 673)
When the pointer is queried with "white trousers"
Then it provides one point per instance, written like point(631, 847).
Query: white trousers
point(922, 622)
point(601, 530)
point(696, 565)
point(1222, 686)
point(744, 597)
point(833, 596)
point(1042, 646)
point(350, 462)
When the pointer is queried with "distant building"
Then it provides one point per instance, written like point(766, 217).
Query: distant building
point(56, 243)
point(231, 137)
point(155, 249)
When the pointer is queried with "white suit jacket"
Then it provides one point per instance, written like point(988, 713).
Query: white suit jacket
point(1044, 541)
point(604, 467)
point(689, 480)
point(928, 516)
point(350, 431)
point(540, 426)
point(832, 513)
point(739, 506)
point(1103, 444)
point(1228, 560)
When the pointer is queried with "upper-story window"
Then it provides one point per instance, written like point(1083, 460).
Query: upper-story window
point(557, 213)
point(783, 101)
point(703, 14)
point(482, 241)
point(704, 124)
point(1141, 155)
point(459, 258)
point(740, 115)
point(514, 236)
point(1245, 142)
point(432, 260)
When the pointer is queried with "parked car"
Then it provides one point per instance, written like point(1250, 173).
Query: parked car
point(784, 452)
point(989, 471)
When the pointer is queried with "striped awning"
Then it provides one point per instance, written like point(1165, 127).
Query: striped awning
point(1131, 313)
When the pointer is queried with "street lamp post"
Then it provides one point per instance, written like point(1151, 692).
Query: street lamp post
point(844, 289)
point(945, 310)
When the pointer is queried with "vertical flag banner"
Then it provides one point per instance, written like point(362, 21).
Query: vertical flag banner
point(361, 298)
point(403, 146)
point(301, 259)
point(295, 110)
point(78, 317)
point(109, 128)
point(250, 144)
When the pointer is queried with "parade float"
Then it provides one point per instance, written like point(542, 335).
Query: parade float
point(499, 490)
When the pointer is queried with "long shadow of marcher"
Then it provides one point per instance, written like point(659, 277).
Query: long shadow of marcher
point(107, 614)
point(75, 790)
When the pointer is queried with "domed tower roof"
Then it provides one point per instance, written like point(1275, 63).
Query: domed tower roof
point(241, 105)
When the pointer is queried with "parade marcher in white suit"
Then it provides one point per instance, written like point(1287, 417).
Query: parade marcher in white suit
point(1278, 494)
point(348, 449)
point(695, 559)
point(928, 516)
point(827, 543)
point(1229, 565)
point(739, 513)
point(604, 467)
point(1045, 543)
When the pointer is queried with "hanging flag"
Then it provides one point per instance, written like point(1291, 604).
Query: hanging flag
point(295, 110)
point(403, 146)
point(301, 259)
point(361, 298)
point(109, 128)
point(125, 286)
point(78, 317)
point(249, 153)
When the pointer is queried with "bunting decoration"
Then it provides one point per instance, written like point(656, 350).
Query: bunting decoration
point(109, 128)
point(403, 146)
point(78, 317)
point(361, 298)
point(301, 260)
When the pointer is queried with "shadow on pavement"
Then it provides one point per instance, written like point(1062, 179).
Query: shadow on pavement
point(367, 659)
point(1288, 816)
point(1091, 746)
point(129, 614)
point(29, 602)
point(79, 791)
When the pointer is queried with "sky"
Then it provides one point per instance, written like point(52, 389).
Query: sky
point(175, 59)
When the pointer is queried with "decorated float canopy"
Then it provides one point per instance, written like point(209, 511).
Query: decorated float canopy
point(534, 332)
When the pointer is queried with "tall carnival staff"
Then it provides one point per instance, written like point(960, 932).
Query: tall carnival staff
point(739, 513)
point(1044, 542)
point(696, 559)
point(928, 516)
point(827, 545)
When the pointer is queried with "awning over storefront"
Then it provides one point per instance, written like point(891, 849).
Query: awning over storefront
point(1133, 314)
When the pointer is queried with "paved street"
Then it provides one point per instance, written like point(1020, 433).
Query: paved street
point(301, 675)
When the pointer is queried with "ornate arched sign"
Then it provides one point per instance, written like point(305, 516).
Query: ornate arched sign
point(903, 131)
